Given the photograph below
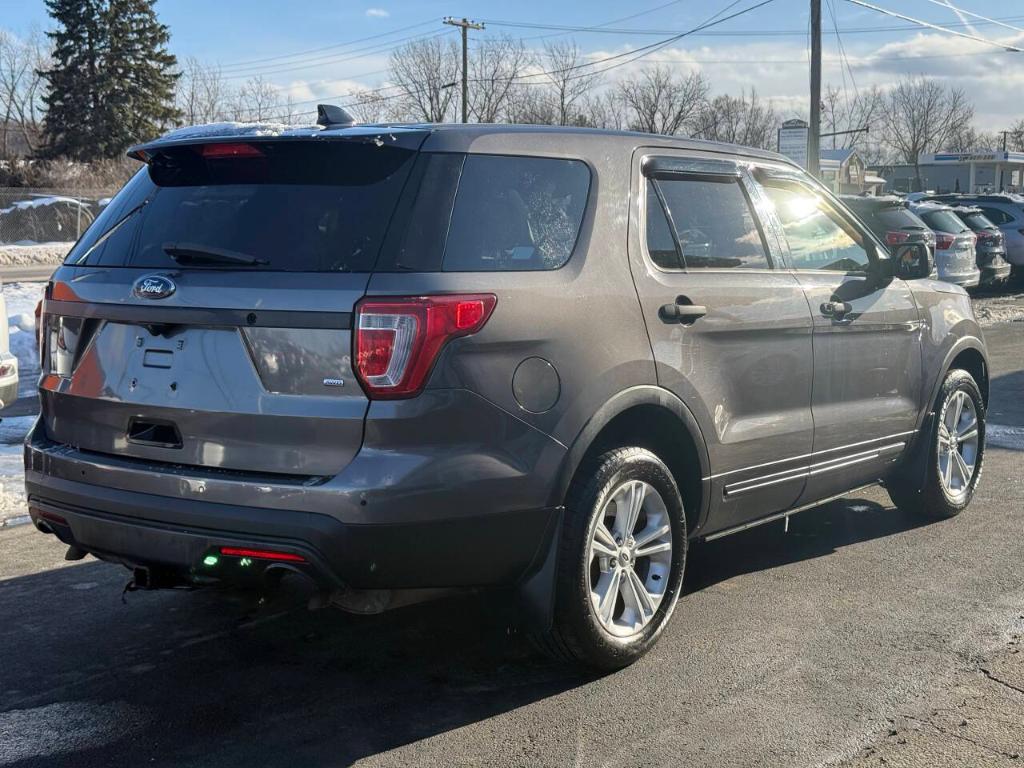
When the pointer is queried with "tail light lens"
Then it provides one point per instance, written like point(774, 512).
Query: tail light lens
point(895, 238)
point(397, 340)
point(944, 241)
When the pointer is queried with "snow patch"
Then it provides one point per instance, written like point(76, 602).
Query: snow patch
point(21, 301)
point(30, 254)
point(215, 130)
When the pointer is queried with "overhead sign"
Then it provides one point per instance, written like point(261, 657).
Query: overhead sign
point(793, 141)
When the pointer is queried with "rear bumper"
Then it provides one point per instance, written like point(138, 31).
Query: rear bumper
point(176, 536)
point(473, 508)
point(995, 273)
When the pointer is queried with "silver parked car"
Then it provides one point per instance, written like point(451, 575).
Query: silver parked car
point(955, 256)
point(534, 361)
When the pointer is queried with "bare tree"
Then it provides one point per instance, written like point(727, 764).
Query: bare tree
point(426, 72)
point(606, 110)
point(843, 112)
point(921, 115)
point(966, 138)
point(566, 84)
point(371, 106)
point(494, 71)
point(1015, 137)
point(739, 119)
point(660, 101)
point(21, 89)
point(257, 101)
point(202, 96)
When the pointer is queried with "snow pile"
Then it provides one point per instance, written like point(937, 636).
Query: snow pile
point(31, 254)
point(39, 202)
point(21, 301)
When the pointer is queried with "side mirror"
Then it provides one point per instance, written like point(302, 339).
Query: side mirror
point(912, 261)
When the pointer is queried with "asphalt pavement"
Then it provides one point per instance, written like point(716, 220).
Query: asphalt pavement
point(862, 637)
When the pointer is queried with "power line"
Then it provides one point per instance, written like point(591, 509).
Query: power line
point(357, 53)
point(633, 55)
point(956, 10)
point(247, 62)
point(928, 24)
point(728, 33)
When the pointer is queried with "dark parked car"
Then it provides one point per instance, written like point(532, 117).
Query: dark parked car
point(891, 220)
point(388, 359)
point(990, 248)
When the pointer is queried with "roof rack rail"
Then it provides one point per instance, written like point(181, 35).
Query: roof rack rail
point(331, 116)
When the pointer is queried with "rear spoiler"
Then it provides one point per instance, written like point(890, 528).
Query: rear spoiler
point(405, 137)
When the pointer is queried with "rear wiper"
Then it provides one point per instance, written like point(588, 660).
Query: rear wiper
point(110, 231)
point(193, 253)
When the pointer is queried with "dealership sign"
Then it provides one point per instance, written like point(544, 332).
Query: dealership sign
point(793, 141)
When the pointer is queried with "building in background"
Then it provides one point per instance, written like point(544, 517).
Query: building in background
point(983, 170)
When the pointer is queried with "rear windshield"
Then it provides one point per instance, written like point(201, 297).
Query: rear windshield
point(899, 219)
point(976, 221)
point(943, 221)
point(283, 206)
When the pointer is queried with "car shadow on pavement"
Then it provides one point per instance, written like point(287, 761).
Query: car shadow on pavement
point(814, 533)
point(208, 678)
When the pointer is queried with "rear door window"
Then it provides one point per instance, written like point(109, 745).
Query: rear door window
point(712, 220)
point(515, 213)
point(899, 218)
point(284, 206)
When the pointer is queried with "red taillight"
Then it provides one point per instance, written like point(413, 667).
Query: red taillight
point(895, 238)
point(944, 241)
point(397, 340)
point(262, 554)
point(216, 151)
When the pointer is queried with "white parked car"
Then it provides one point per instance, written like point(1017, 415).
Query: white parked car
point(955, 255)
point(8, 362)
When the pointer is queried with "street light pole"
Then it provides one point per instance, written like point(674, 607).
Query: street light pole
point(465, 25)
point(814, 130)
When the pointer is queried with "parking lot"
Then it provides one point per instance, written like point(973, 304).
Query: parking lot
point(860, 637)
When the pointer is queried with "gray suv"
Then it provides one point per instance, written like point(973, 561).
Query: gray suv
point(393, 359)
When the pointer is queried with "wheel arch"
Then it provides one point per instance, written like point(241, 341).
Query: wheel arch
point(654, 418)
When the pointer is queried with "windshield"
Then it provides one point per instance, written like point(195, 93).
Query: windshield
point(289, 206)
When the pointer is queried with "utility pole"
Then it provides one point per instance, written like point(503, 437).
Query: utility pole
point(814, 130)
point(465, 25)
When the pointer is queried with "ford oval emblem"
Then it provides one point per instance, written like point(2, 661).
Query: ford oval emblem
point(154, 287)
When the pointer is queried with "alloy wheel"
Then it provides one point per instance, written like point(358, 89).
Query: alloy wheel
point(629, 558)
point(959, 440)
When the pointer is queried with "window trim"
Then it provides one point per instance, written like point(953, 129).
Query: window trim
point(876, 254)
point(687, 169)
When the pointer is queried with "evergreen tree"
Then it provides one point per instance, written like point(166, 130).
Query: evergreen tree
point(112, 80)
point(141, 103)
point(72, 98)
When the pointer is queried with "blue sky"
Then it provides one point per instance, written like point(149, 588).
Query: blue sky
point(764, 48)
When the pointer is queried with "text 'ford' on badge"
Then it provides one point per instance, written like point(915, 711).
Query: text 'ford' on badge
point(153, 287)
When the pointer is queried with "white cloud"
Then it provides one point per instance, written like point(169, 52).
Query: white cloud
point(377, 13)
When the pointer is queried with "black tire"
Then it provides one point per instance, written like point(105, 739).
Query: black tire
point(928, 495)
point(577, 636)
